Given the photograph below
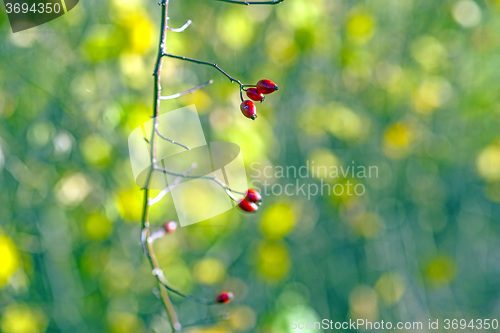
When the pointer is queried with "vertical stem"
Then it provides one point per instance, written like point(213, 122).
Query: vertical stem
point(174, 321)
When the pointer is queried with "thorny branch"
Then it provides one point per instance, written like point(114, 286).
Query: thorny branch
point(147, 245)
point(147, 238)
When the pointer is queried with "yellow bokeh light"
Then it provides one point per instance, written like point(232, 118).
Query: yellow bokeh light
point(282, 48)
point(179, 274)
point(133, 68)
point(235, 29)
point(398, 135)
point(209, 271)
point(467, 13)
point(441, 270)
point(278, 221)
point(122, 322)
point(431, 94)
point(199, 199)
point(303, 13)
point(141, 35)
point(129, 204)
point(321, 162)
point(97, 227)
point(73, 189)
point(109, 283)
point(363, 303)
point(390, 287)
point(139, 31)
point(9, 262)
point(273, 260)
point(345, 123)
point(488, 163)
point(254, 142)
point(311, 121)
point(243, 318)
point(122, 8)
point(17, 318)
point(360, 27)
point(397, 140)
point(102, 42)
point(343, 192)
point(96, 150)
point(202, 100)
point(429, 52)
point(367, 225)
point(137, 115)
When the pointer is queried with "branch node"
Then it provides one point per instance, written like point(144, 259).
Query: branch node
point(173, 184)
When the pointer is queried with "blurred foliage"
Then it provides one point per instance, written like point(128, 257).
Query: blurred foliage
point(407, 86)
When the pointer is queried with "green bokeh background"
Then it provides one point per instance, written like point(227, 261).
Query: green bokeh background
point(410, 87)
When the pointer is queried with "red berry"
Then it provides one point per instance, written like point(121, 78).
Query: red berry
point(170, 227)
point(253, 196)
point(248, 109)
point(224, 297)
point(248, 206)
point(266, 87)
point(255, 95)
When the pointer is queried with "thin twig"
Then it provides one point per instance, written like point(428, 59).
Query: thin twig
point(228, 190)
point(170, 140)
point(161, 277)
point(232, 79)
point(170, 186)
point(252, 2)
point(187, 91)
point(181, 29)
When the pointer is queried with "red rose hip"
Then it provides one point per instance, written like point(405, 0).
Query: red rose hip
point(224, 297)
point(170, 227)
point(253, 196)
point(247, 206)
point(249, 109)
point(266, 86)
point(255, 95)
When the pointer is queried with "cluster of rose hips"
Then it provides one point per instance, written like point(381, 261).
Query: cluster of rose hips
point(252, 201)
point(256, 93)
